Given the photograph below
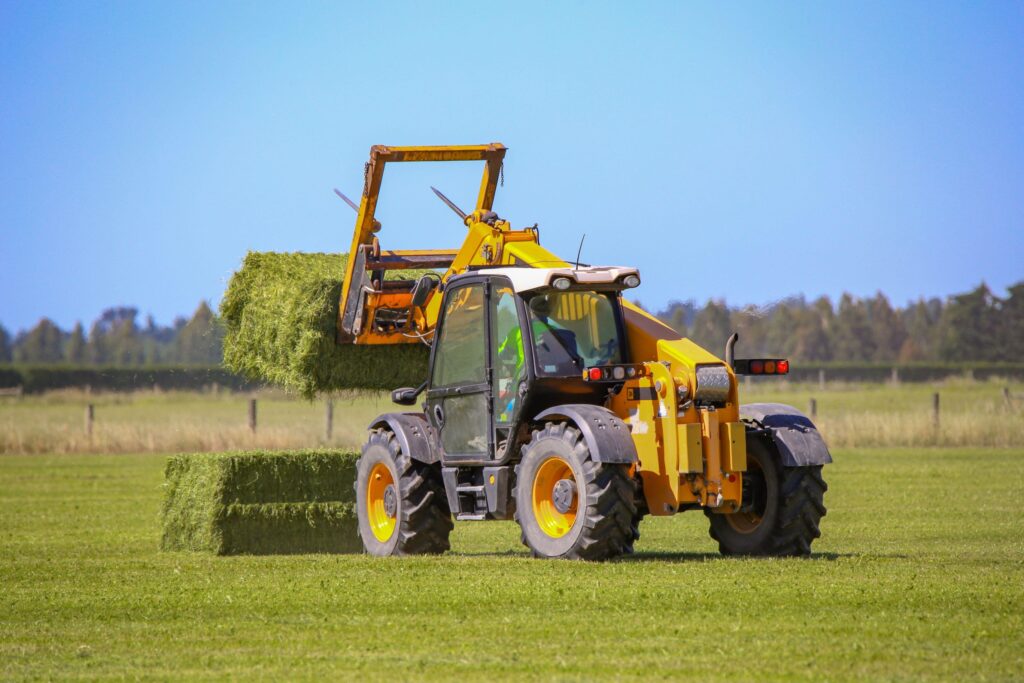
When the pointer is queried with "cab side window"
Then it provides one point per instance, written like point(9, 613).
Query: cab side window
point(508, 352)
point(461, 346)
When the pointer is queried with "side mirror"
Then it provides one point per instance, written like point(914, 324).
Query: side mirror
point(406, 396)
point(422, 289)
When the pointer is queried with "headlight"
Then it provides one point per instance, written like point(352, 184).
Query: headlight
point(562, 283)
point(631, 281)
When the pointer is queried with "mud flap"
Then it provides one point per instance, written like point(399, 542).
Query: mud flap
point(797, 439)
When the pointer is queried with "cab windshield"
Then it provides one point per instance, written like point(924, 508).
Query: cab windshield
point(573, 330)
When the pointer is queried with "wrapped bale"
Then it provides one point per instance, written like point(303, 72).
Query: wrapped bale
point(280, 313)
point(261, 502)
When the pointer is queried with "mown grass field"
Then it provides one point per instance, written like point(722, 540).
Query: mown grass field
point(850, 415)
point(919, 575)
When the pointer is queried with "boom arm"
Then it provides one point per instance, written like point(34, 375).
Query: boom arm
point(358, 284)
point(374, 311)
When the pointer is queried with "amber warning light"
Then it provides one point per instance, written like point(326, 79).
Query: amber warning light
point(761, 366)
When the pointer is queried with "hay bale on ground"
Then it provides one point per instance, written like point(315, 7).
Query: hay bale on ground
point(280, 312)
point(261, 502)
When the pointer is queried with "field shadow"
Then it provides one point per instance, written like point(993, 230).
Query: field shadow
point(681, 557)
point(669, 557)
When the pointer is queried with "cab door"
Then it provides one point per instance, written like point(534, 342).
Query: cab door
point(459, 395)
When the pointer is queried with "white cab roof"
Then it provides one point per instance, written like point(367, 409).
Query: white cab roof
point(525, 279)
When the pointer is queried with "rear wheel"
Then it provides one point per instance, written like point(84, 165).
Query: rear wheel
point(400, 502)
point(781, 508)
point(568, 505)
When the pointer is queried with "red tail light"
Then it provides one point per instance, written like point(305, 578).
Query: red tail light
point(594, 374)
point(761, 366)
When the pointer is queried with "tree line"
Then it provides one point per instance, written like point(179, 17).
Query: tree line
point(117, 339)
point(973, 326)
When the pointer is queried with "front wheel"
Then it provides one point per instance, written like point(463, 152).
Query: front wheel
point(570, 506)
point(400, 502)
point(781, 508)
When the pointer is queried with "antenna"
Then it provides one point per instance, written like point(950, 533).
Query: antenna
point(346, 200)
point(580, 251)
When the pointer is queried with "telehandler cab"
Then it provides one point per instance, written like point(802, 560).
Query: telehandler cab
point(553, 401)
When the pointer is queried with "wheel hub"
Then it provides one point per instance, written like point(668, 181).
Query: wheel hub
point(563, 495)
point(390, 501)
point(381, 502)
point(554, 497)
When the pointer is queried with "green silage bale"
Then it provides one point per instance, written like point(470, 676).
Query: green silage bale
point(280, 312)
point(260, 502)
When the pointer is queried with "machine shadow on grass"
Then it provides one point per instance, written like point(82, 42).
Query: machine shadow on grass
point(677, 557)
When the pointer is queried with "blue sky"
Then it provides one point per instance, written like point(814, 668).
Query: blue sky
point(745, 151)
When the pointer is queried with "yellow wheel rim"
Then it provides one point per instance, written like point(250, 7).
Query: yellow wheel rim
point(381, 503)
point(549, 518)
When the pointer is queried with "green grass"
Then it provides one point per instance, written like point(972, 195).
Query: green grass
point(919, 575)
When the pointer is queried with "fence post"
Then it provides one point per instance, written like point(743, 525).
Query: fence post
point(1007, 399)
point(814, 408)
point(252, 415)
point(329, 427)
point(821, 378)
point(935, 409)
point(894, 376)
point(90, 415)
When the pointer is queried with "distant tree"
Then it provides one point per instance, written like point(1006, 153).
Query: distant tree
point(887, 329)
point(853, 338)
point(827, 315)
point(152, 342)
point(200, 341)
point(712, 326)
point(76, 346)
point(677, 320)
point(124, 344)
point(42, 344)
point(780, 339)
point(113, 337)
point(750, 322)
point(969, 326)
point(5, 345)
point(679, 315)
point(97, 349)
point(921, 322)
point(811, 342)
point(1012, 325)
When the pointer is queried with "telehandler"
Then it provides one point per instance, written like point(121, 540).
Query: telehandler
point(553, 401)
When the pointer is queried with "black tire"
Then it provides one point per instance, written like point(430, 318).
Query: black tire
point(640, 501)
point(422, 518)
point(782, 507)
point(604, 499)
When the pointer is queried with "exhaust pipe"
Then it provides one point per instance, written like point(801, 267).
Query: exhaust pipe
point(730, 347)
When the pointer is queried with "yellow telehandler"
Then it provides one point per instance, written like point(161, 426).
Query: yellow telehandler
point(553, 401)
